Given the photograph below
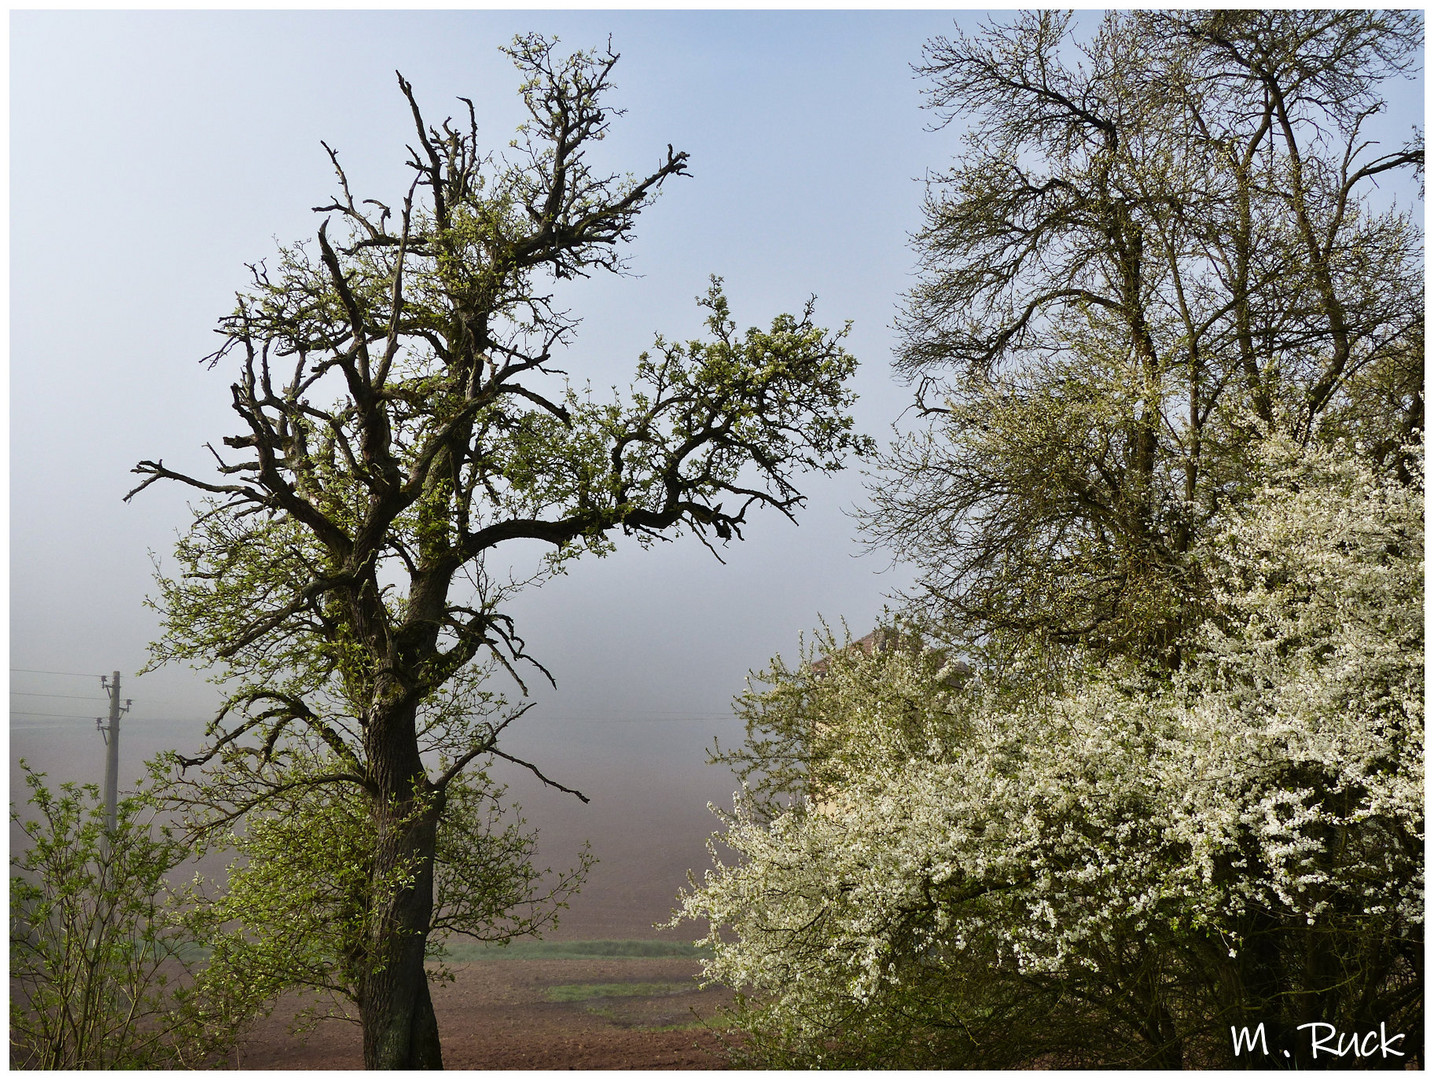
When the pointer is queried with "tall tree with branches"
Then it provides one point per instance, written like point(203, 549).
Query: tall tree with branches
point(1161, 241)
point(402, 429)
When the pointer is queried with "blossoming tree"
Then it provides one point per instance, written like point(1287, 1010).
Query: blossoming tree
point(1164, 497)
point(1124, 868)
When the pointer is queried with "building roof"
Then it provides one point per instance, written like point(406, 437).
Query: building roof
point(885, 638)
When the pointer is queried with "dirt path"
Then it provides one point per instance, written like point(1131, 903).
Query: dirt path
point(609, 1013)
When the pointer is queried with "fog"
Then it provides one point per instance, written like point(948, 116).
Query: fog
point(154, 154)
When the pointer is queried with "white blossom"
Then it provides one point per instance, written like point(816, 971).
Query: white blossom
point(1281, 770)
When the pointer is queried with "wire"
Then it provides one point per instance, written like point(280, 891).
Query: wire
point(61, 715)
point(67, 697)
point(76, 674)
point(634, 719)
point(610, 718)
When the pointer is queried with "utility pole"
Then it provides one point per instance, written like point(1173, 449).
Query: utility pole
point(112, 684)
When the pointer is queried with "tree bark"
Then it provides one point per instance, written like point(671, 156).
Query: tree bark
point(400, 1030)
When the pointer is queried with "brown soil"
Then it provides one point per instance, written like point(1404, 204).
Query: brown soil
point(495, 1015)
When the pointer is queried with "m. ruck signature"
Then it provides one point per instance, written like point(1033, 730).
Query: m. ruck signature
point(1324, 1038)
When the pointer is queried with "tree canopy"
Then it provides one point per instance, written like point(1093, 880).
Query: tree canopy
point(1156, 244)
point(404, 437)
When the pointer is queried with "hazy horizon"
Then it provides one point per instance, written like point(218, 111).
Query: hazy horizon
point(154, 153)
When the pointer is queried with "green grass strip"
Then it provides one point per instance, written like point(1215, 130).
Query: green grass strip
point(460, 952)
point(589, 991)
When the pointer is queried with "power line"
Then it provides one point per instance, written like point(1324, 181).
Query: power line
point(630, 718)
point(75, 674)
point(67, 697)
point(637, 719)
point(62, 715)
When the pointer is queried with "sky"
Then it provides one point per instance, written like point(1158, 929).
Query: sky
point(154, 154)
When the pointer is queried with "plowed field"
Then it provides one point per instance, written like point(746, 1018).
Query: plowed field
point(571, 1013)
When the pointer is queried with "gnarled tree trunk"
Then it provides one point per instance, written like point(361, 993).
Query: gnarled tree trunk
point(400, 1030)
